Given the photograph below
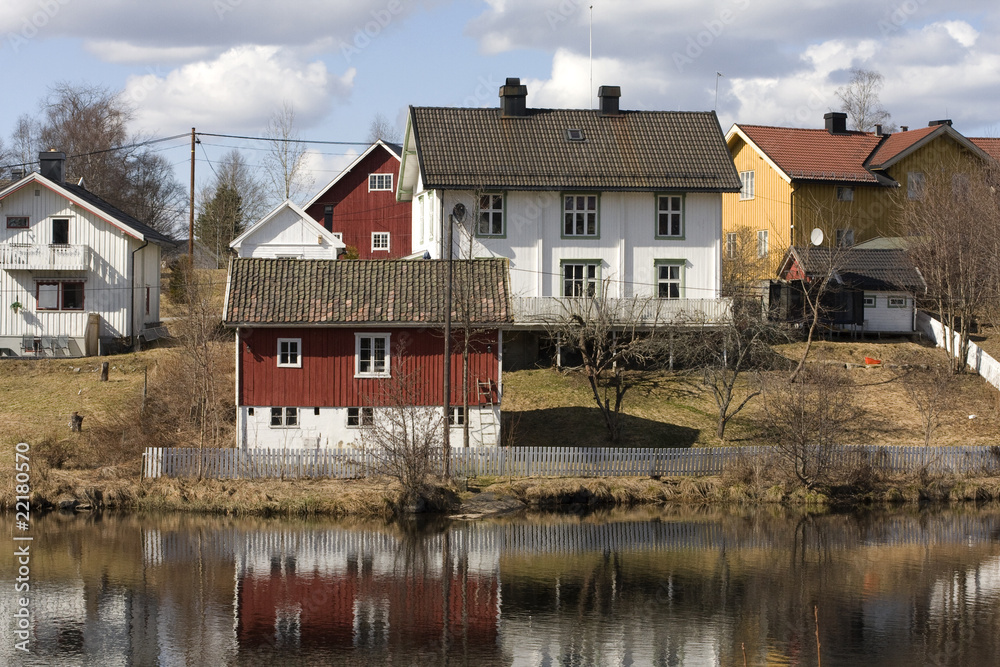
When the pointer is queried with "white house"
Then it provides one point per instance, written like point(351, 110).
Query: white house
point(288, 232)
point(77, 276)
point(579, 201)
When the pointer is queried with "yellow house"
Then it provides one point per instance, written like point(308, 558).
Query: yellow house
point(831, 186)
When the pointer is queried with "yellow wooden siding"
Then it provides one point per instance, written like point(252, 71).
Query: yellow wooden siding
point(817, 206)
point(937, 161)
point(769, 209)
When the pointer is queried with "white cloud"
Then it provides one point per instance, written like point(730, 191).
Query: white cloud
point(237, 91)
point(113, 51)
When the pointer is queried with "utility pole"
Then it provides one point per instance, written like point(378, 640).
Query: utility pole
point(191, 207)
point(447, 354)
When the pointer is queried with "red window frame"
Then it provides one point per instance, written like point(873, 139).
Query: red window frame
point(60, 294)
point(26, 225)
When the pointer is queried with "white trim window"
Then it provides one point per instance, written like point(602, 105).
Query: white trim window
point(457, 416)
point(371, 355)
point(379, 182)
point(358, 417)
point(746, 185)
point(284, 417)
point(896, 302)
point(731, 245)
point(869, 301)
point(761, 243)
point(380, 241)
point(915, 184)
point(59, 295)
point(491, 215)
point(289, 353)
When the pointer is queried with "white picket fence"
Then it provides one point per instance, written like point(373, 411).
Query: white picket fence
point(551, 461)
point(979, 361)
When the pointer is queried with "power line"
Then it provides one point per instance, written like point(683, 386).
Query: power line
point(288, 141)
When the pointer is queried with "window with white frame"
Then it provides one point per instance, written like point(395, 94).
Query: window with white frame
point(670, 279)
point(59, 295)
point(915, 184)
point(491, 215)
point(380, 241)
point(581, 278)
point(761, 243)
point(371, 355)
point(284, 417)
point(379, 182)
point(670, 216)
point(845, 194)
point(457, 416)
point(290, 353)
point(580, 215)
point(897, 302)
point(731, 245)
point(746, 185)
point(869, 301)
point(845, 238)
point(358, 417)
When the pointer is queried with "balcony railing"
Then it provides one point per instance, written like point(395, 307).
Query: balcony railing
point(44, 257)
point(644, 311)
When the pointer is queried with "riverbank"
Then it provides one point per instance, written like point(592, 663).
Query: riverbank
point(96, 490)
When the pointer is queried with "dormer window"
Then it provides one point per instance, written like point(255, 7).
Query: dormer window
point(574, 135)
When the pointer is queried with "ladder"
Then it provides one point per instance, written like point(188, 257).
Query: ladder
point(485, 391)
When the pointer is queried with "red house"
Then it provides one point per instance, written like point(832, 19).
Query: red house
point(360, 204)
point(322, 345)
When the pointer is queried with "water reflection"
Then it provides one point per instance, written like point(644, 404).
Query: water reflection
point(682, 586)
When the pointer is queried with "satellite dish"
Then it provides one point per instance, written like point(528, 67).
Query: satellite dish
point(817, 236)
point(458, 212)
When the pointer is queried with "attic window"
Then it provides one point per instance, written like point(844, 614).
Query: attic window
point(574, 135)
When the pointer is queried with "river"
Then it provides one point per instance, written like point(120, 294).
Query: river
point(676, 586)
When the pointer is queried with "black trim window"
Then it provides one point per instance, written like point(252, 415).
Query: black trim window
point(491, 215)
point(59, 295)
point(670, 216)
point(580, 215)
point(358, 417)
point(284, 417)
point(580, 279)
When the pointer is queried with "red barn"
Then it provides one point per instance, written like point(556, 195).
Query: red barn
point(360, 204)
point(322, 345)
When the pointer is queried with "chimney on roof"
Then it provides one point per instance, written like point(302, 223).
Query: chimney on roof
point(904, 128)
point(836, 122)
point(513, 99)
point(945, 121)
point(878, 130)
point(53, 165)
point(608, 95)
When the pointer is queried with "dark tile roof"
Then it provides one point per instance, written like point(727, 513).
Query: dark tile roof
point(338, 292)
point(636, 150)
point(864, 268)
point(816, 155)
point(151, 234)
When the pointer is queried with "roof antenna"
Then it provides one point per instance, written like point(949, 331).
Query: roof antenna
point(718, 75)
point(591, 93)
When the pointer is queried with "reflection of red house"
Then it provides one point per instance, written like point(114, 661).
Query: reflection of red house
point(360, 203)
point(319, 611)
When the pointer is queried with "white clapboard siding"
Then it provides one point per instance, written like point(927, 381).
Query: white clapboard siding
point(550, 461)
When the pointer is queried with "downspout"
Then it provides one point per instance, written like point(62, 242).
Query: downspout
point(131, 304)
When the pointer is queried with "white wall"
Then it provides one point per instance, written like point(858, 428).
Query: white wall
point(287, 235)
point(627, 246)
point(330, 426)
point(884, 319)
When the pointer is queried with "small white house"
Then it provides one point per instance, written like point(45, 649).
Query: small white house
point(78, 277)
point(288, 232)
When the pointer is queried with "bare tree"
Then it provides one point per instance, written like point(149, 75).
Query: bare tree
point(403, 437)
point(24, 141)
point(932, 392)
point(806, 420)
point(860, 100)
point(381, 128)
point(817, 271)
point(284, 163)
point(958, 261)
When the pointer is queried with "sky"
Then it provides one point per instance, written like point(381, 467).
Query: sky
point(225, 66)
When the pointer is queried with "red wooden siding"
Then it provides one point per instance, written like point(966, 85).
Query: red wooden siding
point(326, 378)
point(357, 212)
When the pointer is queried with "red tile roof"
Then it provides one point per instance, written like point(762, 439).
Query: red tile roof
point(899, 142)
point(817, 155)
point(989, 145)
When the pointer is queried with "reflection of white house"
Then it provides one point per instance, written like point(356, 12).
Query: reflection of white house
point(288, 232)
point(76, 274)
